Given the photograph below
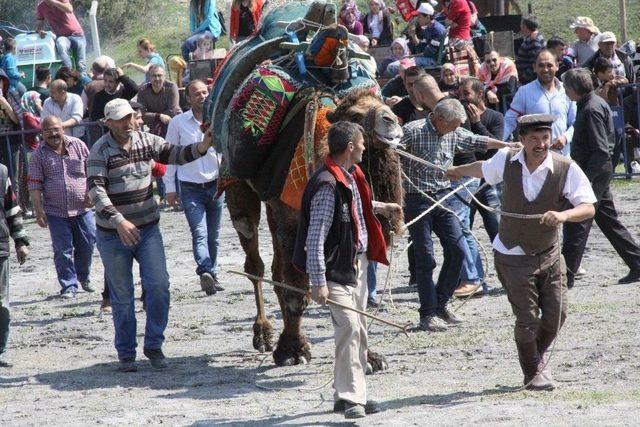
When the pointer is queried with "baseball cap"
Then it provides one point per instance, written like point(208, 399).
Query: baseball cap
point(117, 108)
point(426, 9)
point(606, 37)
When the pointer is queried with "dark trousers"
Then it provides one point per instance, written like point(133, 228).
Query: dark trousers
point(447, 227)
point(488, 196)
point(577, 233)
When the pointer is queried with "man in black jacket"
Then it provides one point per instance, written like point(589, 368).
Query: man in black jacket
point(337, 236)
point(593, 140)
point(623, 64)
point(116, 85)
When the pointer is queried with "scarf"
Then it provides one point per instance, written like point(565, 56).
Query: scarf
point(405, 48)
point(29, 102)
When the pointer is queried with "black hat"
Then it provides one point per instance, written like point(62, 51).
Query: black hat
point(535, 121)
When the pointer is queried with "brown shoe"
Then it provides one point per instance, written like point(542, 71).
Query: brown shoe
point(530, 362)
point(466, 290)
point(105, 307)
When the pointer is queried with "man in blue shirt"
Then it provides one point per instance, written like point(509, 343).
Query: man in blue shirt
point(426, 36)
point(545, 95)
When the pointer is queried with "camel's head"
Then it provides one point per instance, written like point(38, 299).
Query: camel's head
point(380, 124)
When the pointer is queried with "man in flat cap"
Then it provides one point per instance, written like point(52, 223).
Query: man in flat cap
point(527, 255)
point(587, 43)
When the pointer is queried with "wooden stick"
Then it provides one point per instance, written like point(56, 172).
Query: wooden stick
point(329, 301)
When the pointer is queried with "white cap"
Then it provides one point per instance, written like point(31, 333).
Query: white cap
point(607, 36)
point(426, 9)
point(117, 108)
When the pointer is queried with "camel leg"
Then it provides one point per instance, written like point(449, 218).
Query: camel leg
point(244, 208)
point(293, 347)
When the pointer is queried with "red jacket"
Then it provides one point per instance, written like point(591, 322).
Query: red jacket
point(460, 13)
point(234, 20)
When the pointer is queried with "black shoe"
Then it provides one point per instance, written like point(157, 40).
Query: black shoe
point(4, 361)
point(156, 357)
point(371, 407)
point(432, 324)
point(208, 283)
point(446, 314)
point(633, 276)
point(354, 410)
point(127, 364)
point(217, 284)
point(371, 302)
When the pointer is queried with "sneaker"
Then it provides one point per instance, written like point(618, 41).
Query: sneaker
point(446, 314)
point(371, 407)
point(68, 294)
point(432, 324)
point(354, 410)
point(4, 361)
point(105, 307)
point(87, 287)
point(217, 284)
point(156, 357)
point(467, 290)
point(208, 284)
point(581, 272)
point(127, 364)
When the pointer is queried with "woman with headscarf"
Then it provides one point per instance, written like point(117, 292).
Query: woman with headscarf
point(204, 19)
point(349, 18)
point(449, 80)
point(377, 24)
point(399, 49)
point(31, 109)
point(500, 78)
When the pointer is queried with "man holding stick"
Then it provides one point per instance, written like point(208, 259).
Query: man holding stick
point(538, 184)
point(337, 236)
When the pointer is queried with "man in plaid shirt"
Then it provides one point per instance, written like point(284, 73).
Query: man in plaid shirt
point(436, 139)
point(337, 236)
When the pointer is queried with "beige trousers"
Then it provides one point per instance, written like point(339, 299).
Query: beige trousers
point(350, 332)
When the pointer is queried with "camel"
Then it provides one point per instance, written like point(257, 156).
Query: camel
point(382, 168)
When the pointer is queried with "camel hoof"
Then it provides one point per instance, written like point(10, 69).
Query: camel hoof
point(376, 362)
point(262, 338)
point(292, 351)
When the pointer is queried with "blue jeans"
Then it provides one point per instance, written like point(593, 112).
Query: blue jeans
point(372, 283)
point(472, 270)
point(73, 240)
point(118, 262)
point(488, 196)
point(447, 228)
point(191, 43)
point(77, 43)
point(204, 215)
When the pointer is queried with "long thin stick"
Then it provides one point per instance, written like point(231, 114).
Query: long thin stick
point(329, 301)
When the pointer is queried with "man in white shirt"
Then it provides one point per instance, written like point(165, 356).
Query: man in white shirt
point(527, 255)
point(198, 185)
point(68, 107)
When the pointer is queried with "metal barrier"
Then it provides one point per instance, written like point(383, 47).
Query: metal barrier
point(622, 142)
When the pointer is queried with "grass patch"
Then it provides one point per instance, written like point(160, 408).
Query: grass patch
point(583, 398)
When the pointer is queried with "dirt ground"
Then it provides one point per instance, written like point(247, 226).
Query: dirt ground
point(64, 356)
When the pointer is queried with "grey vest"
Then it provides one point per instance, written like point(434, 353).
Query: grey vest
point(529, 234)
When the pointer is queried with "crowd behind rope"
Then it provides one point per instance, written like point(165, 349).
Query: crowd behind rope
point(91, 185)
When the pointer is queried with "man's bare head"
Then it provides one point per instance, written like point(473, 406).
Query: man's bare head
point(426, 91)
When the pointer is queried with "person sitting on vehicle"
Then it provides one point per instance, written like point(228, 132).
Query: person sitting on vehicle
point(500, 78)
point(204, 19)
point(426, 36)
point(399, 49)
point(377, 24)
point(559, 49)
point(204, 50)
point(75, 81)
point(10, 67)
point(147, 50)
point(43, 80)
point(65, 25)
point(348, 14)
point(245, 15)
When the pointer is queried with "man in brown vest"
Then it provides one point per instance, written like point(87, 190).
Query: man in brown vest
point(530, 267)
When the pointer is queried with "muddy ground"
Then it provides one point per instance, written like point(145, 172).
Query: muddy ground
point(65, 360)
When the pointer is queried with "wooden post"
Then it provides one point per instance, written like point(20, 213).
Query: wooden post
point(623, 21)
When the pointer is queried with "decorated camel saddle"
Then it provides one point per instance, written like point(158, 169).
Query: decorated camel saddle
point(270, 97)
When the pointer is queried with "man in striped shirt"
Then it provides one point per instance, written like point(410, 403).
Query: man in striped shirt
point(127, 219)
point(10, 226)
